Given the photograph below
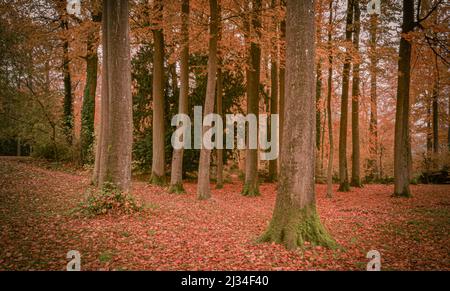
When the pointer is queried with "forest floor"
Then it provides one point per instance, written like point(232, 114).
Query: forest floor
point(177, 232)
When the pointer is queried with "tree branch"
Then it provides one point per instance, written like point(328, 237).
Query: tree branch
point(419, 20)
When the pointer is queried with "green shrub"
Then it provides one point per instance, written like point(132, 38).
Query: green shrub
point(387, 180)
point(415, 180)
point(108, 200)
point(46, 149)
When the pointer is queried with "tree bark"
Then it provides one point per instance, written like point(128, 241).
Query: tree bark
point(19, 147)
point(428, 156)
point(251, 187)
point(436, 115)
point(330, 116)
point(68, 96)
point(295, 219)
point(176, 179)
point(322, 144)
point(274, 79)
point(343, 169)
point(318, 118)
point(356, 154)
point(104, 104)
point(448, 134)
point(402, 148)
point(219, 178)
point(219, 106)
point(373, 172)
point(282, 82)
point(319, 173)
point(90, 89)
point(428, 105)
point(116, 112)
point(273, 164)
point(203, 187)
point(158, 129)
point(281, 110)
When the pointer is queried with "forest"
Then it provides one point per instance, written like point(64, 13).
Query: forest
point(225, 135)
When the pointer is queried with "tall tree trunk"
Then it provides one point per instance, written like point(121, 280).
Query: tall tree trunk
point(88, 107)
point(428, 157)
point(343, 169)
point(158, 128)
point(219, 106)
point(172, 68)
point(295, 219)
point(273, 168)
point(19, 147)
point(318, 118)
point(282, 83)
point(382, 148)
point(274, 79)
point(322, 143)
point(176, 179)
point(103, 107)
point(116, 134)
point(436, 112)
point(448, 121)
point(203, 187)
point(318, 170)
point(219, 178)
point(356, 154)
point(251, 187)
point(281, 104)
point(373, 172)
point(329, 96)
point(402, 149)
point(68, 97)
point(428, 105)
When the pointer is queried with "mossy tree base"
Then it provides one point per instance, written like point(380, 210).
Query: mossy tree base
point(250, 190)
point(402, 191)
point(344, 187)
point(177, 189)
point(203, 196)
point(293, 228)
point(219, 186)
point(405, 194)
point(157, 180)
point(357, 184)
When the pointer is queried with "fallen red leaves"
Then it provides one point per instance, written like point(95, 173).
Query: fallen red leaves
point(177, 232)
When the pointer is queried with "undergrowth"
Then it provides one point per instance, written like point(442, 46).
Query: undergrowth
point(108, 200)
